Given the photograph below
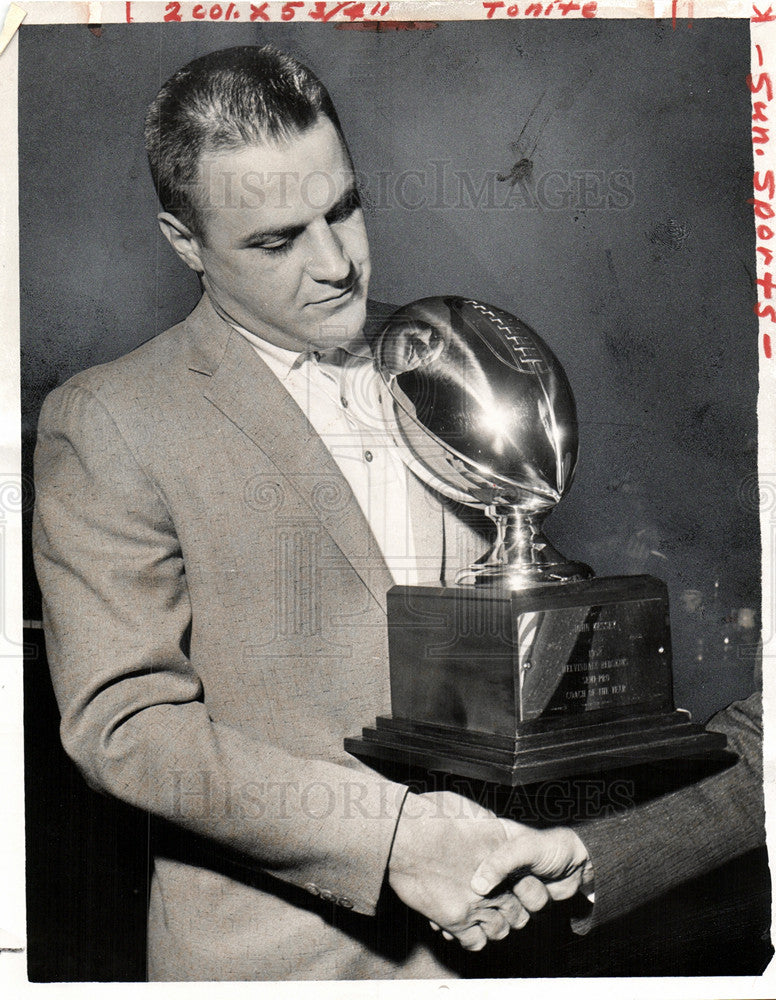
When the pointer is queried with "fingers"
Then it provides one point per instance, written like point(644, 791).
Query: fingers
point(506, 858)
point(496, 920)
point(494, 924)
point(472, 939)
point(556, 859)
point(532, 893)
point(510, 907)
point(564, 888)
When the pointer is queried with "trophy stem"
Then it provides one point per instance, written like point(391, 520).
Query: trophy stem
point(521, 557)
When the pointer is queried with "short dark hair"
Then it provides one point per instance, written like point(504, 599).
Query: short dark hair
point(226, 99)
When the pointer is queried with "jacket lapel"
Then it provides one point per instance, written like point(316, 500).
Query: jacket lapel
point(244, 389)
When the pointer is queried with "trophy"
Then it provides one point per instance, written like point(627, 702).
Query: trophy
point(528, 667)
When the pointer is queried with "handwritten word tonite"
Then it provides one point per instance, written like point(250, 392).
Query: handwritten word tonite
point(560, 8)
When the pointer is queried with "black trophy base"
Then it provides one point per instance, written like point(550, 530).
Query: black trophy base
point(539, 756)
point(517, 687)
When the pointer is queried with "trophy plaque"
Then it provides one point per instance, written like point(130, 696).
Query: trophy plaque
point(528, 667)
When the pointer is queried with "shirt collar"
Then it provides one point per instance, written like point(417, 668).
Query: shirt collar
point(286, 361)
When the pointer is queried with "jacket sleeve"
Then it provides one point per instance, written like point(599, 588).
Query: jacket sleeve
point(134, 719)
point(652, 848)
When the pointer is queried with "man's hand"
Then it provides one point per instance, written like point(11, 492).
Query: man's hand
point(539, 864)
point(440, 839)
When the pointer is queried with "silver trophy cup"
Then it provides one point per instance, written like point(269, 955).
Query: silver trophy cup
point(530, 667)
point(483, 412)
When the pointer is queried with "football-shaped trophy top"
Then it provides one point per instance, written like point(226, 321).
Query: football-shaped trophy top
point(483, 412)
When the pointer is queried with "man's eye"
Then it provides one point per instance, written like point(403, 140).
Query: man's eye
point(276, 247)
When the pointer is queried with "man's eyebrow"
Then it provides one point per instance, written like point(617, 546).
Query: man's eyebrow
point(270, 236)
point(345, 204)
point(349, 201)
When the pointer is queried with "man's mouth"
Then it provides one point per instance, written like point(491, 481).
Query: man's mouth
point(352, 284)
point(336, 298)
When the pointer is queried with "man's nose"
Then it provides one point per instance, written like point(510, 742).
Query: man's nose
point(329, 258)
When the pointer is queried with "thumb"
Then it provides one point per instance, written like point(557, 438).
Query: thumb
point(507, 858)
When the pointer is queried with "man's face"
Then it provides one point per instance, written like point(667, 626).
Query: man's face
point(284, 249)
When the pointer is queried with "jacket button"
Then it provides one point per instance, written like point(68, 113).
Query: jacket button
point(313, 888)
point(327, 895)
point(345, 902)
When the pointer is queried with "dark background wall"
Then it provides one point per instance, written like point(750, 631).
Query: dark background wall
point(642, 283)
point(590, 177)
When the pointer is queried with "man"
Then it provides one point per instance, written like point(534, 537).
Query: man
point(219, 515)
point(627, 860)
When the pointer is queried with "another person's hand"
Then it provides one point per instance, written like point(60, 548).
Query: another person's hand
point(539, 865)
point(440, 838)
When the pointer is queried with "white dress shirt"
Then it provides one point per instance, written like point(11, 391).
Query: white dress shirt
point(339, 392)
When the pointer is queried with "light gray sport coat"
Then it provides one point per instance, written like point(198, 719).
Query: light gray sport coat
point(214, 604)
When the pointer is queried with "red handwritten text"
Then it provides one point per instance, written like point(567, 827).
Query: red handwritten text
point(760, 86)
point(561, 8)
point(291, 10)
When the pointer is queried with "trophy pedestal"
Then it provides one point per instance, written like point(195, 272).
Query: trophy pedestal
point(515, 687)
point(535, 757)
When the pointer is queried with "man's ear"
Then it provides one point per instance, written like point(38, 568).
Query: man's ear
point(182, 240)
